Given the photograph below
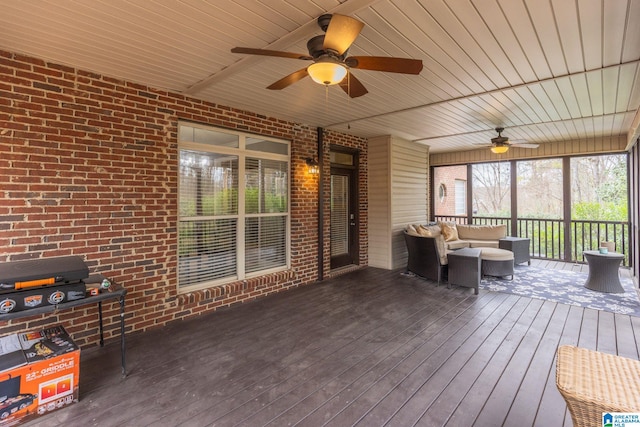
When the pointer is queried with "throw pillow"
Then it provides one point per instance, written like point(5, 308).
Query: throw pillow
point(411, 230)
point(449, 231)
point(428, 230)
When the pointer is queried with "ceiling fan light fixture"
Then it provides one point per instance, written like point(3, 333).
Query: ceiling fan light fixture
point(499, 149)
point(327, 72)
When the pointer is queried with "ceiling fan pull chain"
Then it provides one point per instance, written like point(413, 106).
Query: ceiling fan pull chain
point(326, 100)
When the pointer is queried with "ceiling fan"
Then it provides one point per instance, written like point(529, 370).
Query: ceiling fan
point(500, 144)
point(329, 55)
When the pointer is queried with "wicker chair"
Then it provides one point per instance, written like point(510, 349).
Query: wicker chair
point(592, 382)
point(424, 258)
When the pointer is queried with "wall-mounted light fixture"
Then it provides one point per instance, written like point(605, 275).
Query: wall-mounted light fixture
point(312, 166)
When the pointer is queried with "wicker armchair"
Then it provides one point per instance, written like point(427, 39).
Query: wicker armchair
point(592, 382)
point(424, 258)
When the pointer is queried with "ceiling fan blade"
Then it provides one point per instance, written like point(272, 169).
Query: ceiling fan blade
point(341, 32)
point(352, 86)
point(385, 63)
point(289, 80)
point(267, 52)
point(524, 145)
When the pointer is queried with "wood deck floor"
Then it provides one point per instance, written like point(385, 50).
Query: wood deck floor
point(370, 348)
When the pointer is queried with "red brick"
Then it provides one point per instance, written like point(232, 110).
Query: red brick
point(94, 174)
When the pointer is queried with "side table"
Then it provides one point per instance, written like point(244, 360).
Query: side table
point(519, 246)
point(464, 268)
point(603, 271)
point(115, 292)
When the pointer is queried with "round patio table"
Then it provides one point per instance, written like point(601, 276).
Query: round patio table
point(603, 271)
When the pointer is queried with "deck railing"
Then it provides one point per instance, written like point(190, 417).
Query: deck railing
point(548, 236)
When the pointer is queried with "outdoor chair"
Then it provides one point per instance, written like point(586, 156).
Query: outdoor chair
point(593, 383)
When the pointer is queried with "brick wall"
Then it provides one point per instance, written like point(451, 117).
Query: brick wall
point(88, 167)
point(338, 139)
point(447, 175)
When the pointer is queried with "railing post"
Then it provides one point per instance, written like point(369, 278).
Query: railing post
point(566, 200)
point(514, 198)
point(469, 193)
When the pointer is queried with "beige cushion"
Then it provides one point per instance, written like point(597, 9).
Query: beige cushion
point(442, 251)
point(483, 243)
point(493, 254)
point(482, 232)
point(445, 261)
point(457, 244)
point(449, 231)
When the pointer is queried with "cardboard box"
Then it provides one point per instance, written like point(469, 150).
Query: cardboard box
point(39, 374)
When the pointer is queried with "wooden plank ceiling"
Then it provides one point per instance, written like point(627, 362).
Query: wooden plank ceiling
point(547, 71)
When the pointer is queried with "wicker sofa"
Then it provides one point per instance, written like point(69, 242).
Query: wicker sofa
point(473, 236)
point(428, 245)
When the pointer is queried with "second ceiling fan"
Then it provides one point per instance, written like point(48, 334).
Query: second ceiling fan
point(500, 144)
point(329, 55)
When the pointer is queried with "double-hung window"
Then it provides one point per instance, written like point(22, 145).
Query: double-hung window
point(233, 206)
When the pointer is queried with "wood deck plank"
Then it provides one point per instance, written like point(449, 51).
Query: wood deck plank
point(607, 341)
point(626, 345)
point(433, 405)
point(262, 323)
point(474, 400)
point(540, 373)
point(262, 408)
point(514, 373)
point(329, 340)
point(635, 324)
point(589, 330)
point(358, 378)
point(428, 389)
point(390, 390)
point(552, 407)
point(369, 347)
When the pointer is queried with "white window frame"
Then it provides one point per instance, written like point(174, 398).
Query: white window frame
point(460, 184)
point(241, 153)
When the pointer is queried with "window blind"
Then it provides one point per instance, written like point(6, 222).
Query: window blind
point(217, 242)
point(339, 215)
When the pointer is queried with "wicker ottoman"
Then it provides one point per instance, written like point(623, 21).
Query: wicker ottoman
point(464, 268)
point(497, 262)
point(592, 382)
